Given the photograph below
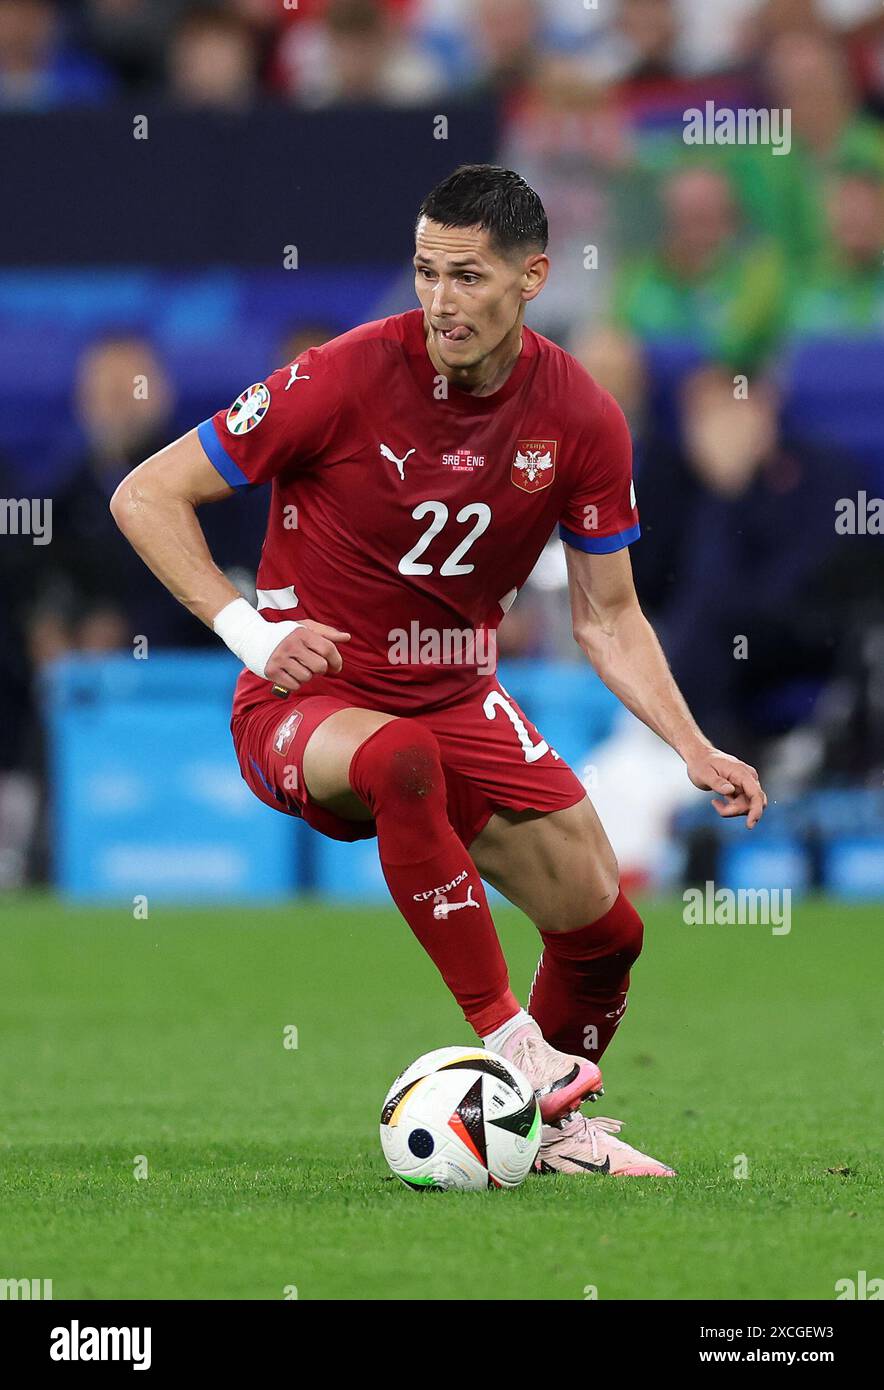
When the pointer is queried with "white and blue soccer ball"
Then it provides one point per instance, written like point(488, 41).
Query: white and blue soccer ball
point(460, 1117)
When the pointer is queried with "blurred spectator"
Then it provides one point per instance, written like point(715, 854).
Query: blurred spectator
point(88, 590)
point(354, 53)
point(644, 40)
point(762, 538)
point(614, 360)
point(866, 49)
point(800, 70)
point(649, 54)
point(667, 491)
point(504, 38)
point(570, 144)
point(84, 590)
point(213, 60)
point(131, 36)
point(806, 73)
point(39, 69)
point(844, 291)
point(704, 285)
point(80, 591)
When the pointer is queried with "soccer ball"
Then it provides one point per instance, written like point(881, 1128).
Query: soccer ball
point(460, 1117)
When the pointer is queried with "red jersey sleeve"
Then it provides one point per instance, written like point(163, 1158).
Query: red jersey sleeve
point(601, 515)
point(275, 424)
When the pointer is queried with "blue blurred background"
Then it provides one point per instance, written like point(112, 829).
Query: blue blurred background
point(194, 194)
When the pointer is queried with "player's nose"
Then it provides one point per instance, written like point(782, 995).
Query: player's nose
point(443, 301)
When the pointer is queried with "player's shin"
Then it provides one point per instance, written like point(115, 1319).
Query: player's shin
point(433, 881)
point(579, 992)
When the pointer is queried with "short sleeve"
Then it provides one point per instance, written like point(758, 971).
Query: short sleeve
point(275, 424)
point(600, 515)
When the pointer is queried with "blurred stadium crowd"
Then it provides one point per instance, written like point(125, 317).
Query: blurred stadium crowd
point(731, 297)
point(314, 52)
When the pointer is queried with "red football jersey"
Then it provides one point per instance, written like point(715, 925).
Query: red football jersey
point(409, 513)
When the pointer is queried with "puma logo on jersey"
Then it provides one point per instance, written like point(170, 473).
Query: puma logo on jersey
point(294, 375)
point(391, 457)
point(442, 906)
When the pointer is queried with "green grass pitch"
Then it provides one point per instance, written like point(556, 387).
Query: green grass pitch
point(164, 1038)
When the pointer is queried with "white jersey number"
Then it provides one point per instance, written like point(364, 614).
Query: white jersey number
point(411, 564)
point(495, 701)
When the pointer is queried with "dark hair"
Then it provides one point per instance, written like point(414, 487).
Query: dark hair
point(498, 200)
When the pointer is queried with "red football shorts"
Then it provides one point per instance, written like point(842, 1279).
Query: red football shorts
point(492, 754)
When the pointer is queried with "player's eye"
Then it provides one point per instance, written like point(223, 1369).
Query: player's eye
point(470, 278)
point(425, 272)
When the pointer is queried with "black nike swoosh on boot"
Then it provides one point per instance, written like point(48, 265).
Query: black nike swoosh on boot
point(562, 1081)
point(593, 1167)
point(590, 1167)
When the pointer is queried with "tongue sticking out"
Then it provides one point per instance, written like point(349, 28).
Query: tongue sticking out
point(457, 335)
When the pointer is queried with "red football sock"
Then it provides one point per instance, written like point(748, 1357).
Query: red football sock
point(398, 773)
point(579, 992)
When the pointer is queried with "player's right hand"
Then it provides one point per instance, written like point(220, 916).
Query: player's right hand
point(308, 651)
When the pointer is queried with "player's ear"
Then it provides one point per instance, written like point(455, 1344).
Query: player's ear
point(534, 275)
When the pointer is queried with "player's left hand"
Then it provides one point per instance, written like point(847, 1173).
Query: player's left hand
point(741, 793)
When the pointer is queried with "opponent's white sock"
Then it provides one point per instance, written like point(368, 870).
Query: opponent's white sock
point(495, 1041)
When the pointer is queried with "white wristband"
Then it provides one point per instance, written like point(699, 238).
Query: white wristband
point(249, 636)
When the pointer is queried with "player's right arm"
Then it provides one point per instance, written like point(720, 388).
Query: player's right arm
point(155, 507)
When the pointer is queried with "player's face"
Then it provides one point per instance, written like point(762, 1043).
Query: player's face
point(472, 296)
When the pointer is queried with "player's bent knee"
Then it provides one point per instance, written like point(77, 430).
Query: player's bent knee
point(617, 932)
point(400, 762)
point(328, 753)
point(621, 931)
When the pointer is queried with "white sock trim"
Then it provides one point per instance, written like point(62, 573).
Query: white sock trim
point(495, 1041)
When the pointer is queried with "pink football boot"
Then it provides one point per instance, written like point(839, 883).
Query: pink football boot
point(561, 1082)
point(581, 1145)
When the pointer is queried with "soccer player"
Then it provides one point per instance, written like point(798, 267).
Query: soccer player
point(419, 465)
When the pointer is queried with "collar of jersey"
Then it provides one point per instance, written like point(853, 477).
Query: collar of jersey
point(463, 401)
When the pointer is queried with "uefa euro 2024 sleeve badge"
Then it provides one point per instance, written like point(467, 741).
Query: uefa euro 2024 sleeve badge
point(249, 409)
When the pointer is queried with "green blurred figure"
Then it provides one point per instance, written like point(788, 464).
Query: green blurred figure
point(843, 293)
point(705, 284)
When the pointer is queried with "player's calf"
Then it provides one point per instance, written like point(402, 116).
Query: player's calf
point(397, 771)
point(579, 992)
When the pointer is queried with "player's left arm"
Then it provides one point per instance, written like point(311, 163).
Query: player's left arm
point(610, 627)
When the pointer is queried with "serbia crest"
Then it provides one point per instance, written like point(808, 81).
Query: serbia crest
point(534, 464)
